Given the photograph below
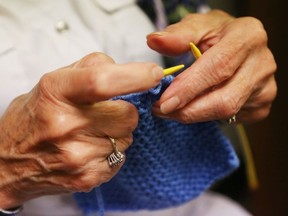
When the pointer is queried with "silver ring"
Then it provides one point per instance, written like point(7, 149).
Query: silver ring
point(116, 157)
point(232, 119)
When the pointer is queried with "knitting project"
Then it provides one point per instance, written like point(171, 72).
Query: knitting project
point(168, 163)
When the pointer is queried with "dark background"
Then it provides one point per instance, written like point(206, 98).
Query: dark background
point(269, 138)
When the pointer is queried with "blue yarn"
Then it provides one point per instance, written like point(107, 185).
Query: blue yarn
point(168, 164)
point(100, 201)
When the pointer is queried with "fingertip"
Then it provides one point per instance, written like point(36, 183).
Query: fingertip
point(167, 43)
point(170, 105)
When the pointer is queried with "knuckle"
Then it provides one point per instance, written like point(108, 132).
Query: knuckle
point(84, 183)
point(99, 83)
point(90, 58)
point(127, 114)
point(46, 111)
point(189, 17)
point(268, 96)
point(92, 178)
point(258, 34)
point(44, 80)
point(44, 87)
point(258, 114)
point(274, 90)
point(133, 117)
point(125, 142)
point(93, 59)
point(272, 65)
point(60, 122)
point(221, 67)
point(264, 112)
point(185, 117)
point(220, 12)
point(74, 161)
point(227, 107)
point(106, 176)
point(129, 140)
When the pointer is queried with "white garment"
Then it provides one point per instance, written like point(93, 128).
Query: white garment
point(38, 36)
point(31, 45)
point(208, 204)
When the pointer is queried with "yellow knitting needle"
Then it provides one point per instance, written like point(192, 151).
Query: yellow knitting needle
point(171, 70)
point(196, 52)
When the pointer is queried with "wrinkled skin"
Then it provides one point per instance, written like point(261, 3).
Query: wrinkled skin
point(235, 75)
point(54, 139)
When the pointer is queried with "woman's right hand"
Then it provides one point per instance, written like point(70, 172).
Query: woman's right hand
point(54, 139)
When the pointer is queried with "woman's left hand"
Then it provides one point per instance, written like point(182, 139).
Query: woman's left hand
point(235, 75)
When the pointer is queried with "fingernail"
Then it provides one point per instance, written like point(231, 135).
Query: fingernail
point(170, 105)
point(162, 33)
point(157, 112)
point(158, 73)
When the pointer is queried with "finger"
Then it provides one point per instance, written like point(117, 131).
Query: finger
point(245, 89)
point(217, 65)
point(219, 103)
point(251, 115)
point(76, 153)
point(197, 28)
point(263, 95)
point(101, 81)
point(164, 42)
point(111, 118)
point(258, 106)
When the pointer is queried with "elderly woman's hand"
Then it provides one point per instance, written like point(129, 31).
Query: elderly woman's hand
point(55, 138)
point(235, 75)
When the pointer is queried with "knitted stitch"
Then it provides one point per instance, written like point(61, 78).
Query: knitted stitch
point(168, 163)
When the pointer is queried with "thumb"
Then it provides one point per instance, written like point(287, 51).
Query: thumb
point(96, 77)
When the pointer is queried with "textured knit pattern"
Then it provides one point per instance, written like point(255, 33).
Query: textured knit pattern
point(168, 163)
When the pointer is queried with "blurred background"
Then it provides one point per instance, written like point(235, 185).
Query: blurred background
point(268, 138)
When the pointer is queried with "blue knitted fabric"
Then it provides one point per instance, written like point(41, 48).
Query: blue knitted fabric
point(168, 163)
